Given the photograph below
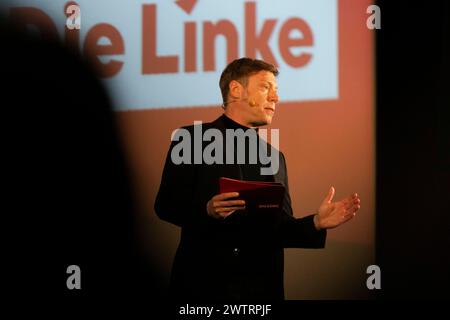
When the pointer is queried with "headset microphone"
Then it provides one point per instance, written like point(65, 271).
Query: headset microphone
point(251, 103)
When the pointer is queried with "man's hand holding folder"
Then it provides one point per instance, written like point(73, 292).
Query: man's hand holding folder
point(254, 196)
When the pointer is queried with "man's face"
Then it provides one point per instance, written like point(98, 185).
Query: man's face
point(261, 95)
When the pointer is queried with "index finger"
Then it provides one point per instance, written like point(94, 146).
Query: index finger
point(351, 198)
point(226, 195)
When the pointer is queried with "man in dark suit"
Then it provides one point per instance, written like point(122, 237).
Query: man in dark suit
point(226, 251)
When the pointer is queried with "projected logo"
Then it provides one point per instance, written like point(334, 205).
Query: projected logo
point(161, 54)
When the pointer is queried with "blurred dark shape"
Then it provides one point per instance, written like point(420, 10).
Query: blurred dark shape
point(413, 150)
point(68, 197)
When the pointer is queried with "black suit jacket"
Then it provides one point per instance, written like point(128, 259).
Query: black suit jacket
point(240, 257)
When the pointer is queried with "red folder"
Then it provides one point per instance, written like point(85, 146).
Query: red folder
point(258, 195)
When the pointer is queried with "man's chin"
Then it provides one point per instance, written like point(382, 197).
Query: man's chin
point(262, 123)
point(268, 120)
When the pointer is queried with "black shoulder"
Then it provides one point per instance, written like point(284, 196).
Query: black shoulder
point(203, 125)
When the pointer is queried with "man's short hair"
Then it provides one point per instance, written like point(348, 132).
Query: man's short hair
point(240, 70)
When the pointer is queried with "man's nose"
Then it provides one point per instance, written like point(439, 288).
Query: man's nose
point(273, 97)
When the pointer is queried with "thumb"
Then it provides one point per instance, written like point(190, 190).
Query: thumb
point(329, 196)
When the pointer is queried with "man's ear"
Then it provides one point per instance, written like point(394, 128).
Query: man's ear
point(236, 90)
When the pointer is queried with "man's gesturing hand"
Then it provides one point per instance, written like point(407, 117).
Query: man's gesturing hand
point(219, 207)
point(333, 214)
